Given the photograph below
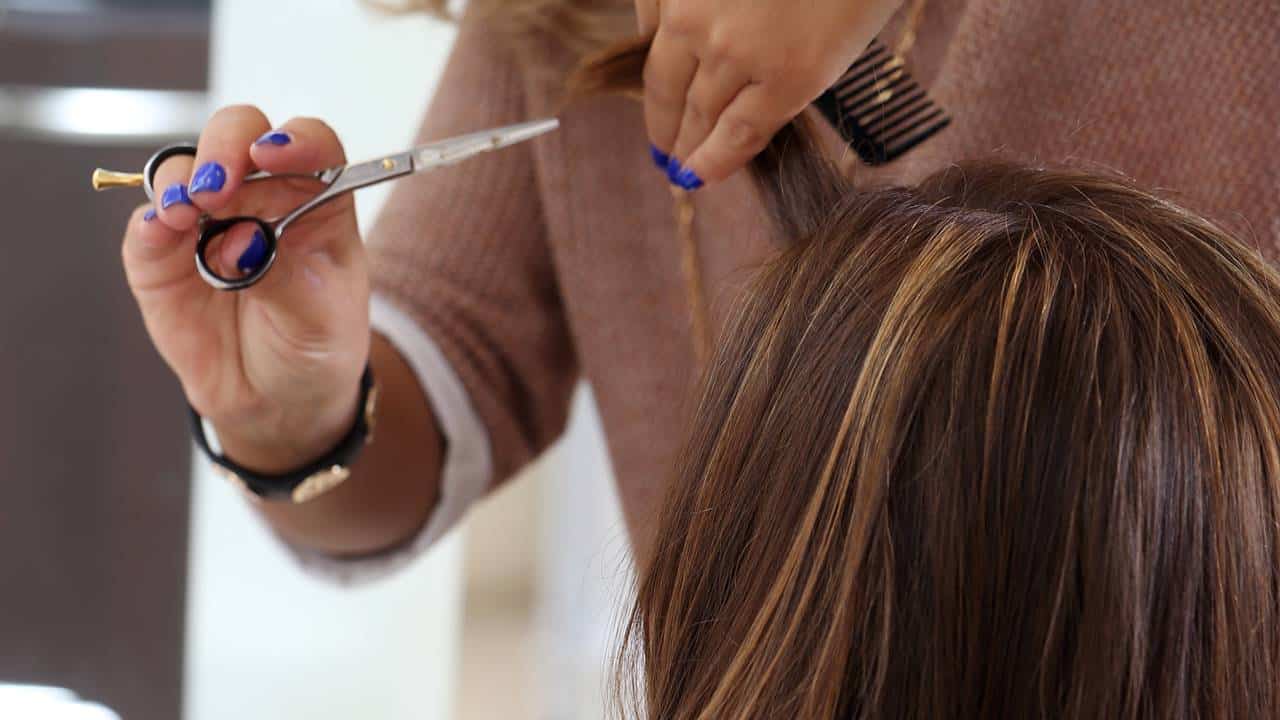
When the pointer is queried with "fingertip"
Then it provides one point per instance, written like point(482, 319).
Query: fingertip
point(149, 232)
point(729, 148)
point(704, 166)
point(274, 138)
point(661, 160)
point(213, 185)
point(241, 252)
point(175, 195)
point(142, 216)
point(208, 179)
point(272, 149)
point(177, 209)
point(222, 161)
point(276, 151)
point(684, 176)
point(299, 145)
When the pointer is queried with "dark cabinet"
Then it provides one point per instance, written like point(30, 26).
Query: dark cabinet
point(94, 453)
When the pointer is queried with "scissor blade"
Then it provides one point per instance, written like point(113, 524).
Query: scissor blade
point(455, 150)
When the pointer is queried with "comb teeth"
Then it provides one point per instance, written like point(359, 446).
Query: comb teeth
point(879, 109)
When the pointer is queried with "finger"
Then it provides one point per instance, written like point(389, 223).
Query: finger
point(647, 16)
point(667, 73)
point(154, 253)
point(302, 145)
point(712, 90)
point(319, 257)
point(147, 237)
point(741, 132)
point(173, 201)
point(222, 160)
point(304, 288)
point(237, 252)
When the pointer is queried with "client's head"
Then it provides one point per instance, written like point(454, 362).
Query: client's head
point(1002, 445)
point(1006, 445)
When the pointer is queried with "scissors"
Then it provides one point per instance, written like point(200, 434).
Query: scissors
point(337, 181)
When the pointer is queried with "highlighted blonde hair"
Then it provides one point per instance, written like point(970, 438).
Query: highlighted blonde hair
point(583, 26)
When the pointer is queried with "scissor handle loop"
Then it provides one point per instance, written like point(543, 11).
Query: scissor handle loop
point(211, 229)
point(153, 165)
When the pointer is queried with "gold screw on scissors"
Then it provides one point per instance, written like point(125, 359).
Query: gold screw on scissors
point(337, 181)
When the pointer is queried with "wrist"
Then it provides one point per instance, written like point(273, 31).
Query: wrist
point(287, 440)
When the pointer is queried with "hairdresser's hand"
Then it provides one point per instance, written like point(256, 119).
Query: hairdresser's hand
point(724, 75)
point(276, 367)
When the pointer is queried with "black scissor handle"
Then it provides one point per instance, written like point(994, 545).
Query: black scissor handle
point(153, 165)
point(211, 229)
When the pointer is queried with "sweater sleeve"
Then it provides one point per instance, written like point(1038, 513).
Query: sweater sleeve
point(463, 253)
point(464, 288)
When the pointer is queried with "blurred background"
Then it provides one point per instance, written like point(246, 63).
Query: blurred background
point(133, 583)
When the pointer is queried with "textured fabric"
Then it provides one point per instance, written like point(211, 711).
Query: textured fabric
point(536, 265)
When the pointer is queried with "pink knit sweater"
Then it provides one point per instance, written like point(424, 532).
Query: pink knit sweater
point(528, 269)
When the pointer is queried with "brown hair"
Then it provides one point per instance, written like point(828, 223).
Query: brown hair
point(582, 26)
point(1003, 444)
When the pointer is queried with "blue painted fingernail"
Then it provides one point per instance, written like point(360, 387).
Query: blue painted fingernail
point(688, 180)
point(175, 194)
point(661, 159)
point(682, 177)
point(210, 177)
point(253, 255)
point(149, 215)
point(275, 137)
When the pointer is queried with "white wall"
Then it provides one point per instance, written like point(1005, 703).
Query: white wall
point(264, 640)
point(586, 571)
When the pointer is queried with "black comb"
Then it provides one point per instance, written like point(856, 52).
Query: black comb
point(879, 110)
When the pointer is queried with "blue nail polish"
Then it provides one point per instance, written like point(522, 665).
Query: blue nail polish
point(175, 194)
point(149, 215)
point(688, 180)
point(661, 159)
point(209, 177)
point(253, 255)
point(673, 169)
point(682, 177)
point(275, 137)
